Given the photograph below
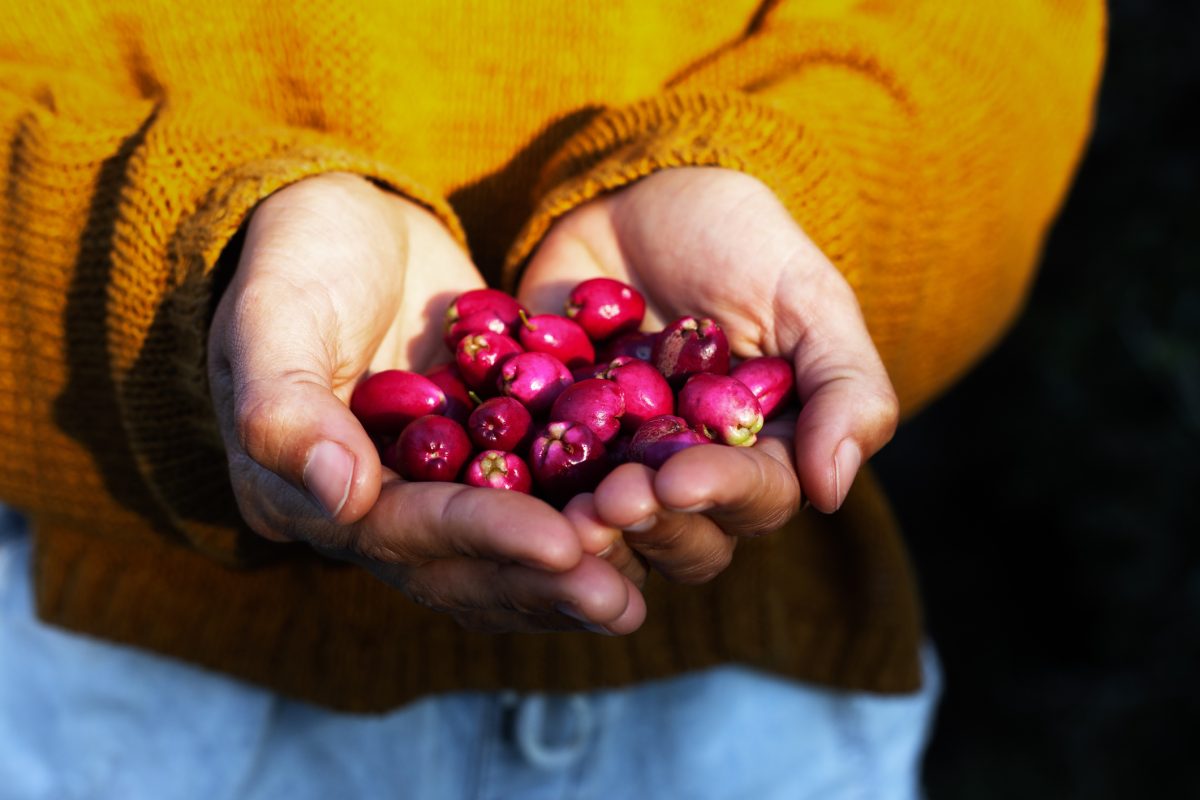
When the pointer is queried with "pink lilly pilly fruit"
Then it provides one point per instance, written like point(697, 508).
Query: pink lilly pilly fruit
point(558, 336)
point(501, 423)
point(458, 401)
point(596, 403)
point(487, 319)
point(388, 401)
point(770, 379)
point(647, 393)
point(480, 356)
point(636, 344)
point(689, 346)
point(659, 438)
point(721, 408)
point(497, 469)
point(431, 448)
point(471, 302)
point(536, 379)
point(605, 307)
point(567, 459)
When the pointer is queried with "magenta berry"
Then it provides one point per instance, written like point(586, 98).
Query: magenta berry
point(501, 423)
point(689, 346)
point(458, 402)
point(497, 469)
point(660, 438)
point(486, 319)
point(647, 393)
point(721, 408)
point(388, 401)
point(431, 448)
point(770, 379)
point(636, 344)
point(596, 403)
point(566, 459)
point(536, 379)
point(604, 307)
point(480, 356)
point(503, 305)
point(560, 337)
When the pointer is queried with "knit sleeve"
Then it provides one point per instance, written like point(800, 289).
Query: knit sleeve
point(924, 146)
point(117, 207)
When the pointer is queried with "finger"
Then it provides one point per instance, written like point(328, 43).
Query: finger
point(849, 408)
point(686, 547)
point(598, 538)
point(514, 622)
point(592, 593)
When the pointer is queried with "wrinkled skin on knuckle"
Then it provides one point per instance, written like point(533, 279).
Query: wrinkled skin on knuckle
point(703, 569)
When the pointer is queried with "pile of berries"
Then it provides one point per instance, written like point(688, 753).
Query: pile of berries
point(553, 403)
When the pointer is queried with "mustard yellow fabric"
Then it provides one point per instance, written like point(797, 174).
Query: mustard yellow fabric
point(925, 146)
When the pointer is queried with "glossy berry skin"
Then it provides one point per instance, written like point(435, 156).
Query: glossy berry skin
point(721, 408)
point(501, 423)
point(388, 401)
point(771, 380)
point(596, 403)
point(496, 469)
point(604, 307)
point(689, 346)
point(558, 336)
point(458, 402)
point(647, 393)
point(479, 358)
point(567, 459)
point(660, 438)
point(638, 344)
point(432, 448)
point(486, 319)
point(535, 379)
point(503, 305)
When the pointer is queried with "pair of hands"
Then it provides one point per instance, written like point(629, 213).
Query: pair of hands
point(338, 278)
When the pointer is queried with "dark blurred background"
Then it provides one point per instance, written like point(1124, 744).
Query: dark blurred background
point(1052, 499)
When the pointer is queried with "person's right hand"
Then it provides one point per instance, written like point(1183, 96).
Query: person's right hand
point(337, 278)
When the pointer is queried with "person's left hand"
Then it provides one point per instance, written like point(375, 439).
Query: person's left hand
point(718, 243)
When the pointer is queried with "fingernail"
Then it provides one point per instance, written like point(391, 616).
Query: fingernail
point(568, 609)
point(327, 475)
point(845, 466)
point(641, 526)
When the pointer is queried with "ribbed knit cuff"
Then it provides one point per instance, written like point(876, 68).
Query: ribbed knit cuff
point(696, 129)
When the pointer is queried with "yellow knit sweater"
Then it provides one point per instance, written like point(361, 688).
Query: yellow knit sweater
point(925, 146)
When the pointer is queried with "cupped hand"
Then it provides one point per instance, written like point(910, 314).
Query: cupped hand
point(338, 278)
point(718, 243)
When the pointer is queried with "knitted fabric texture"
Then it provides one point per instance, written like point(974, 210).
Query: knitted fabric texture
point(924, 146)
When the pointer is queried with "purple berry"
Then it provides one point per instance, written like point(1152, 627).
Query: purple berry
point(458, 401)
point(486, 319)
point(689, 346)
point(497, 469)
point(604, 307)
point(660, 438)
point(721, 408)
point(432, 448)
point(647, 393)
point(596, 403)
point(558, 336)
point(501, 423)
point(567, 459)
point(771, 380)
point(388, 401)
point(536, 379)
point(480, 356)
point(637, 344)
point(505, 306)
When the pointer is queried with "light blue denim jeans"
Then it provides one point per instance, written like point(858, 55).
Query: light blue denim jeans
point(81, 718)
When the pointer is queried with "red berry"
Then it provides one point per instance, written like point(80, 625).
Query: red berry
point(689, 346)
point(645, 390)
point(483, 320)
point(497, 469)
point(596, 403)
point(770, 379)
point(605, 307)
point(558, 336)
point(536, 379)
point(504, 305)
point(567, 459)
point(388, 401)
point(660, 438)
point(501, 423)
point(430, 449)
point(636, 344)
point(458, 401)
point(480, 356)
point(721, 408)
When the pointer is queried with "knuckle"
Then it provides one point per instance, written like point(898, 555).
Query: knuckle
point(704, 568)
point(257, 421)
